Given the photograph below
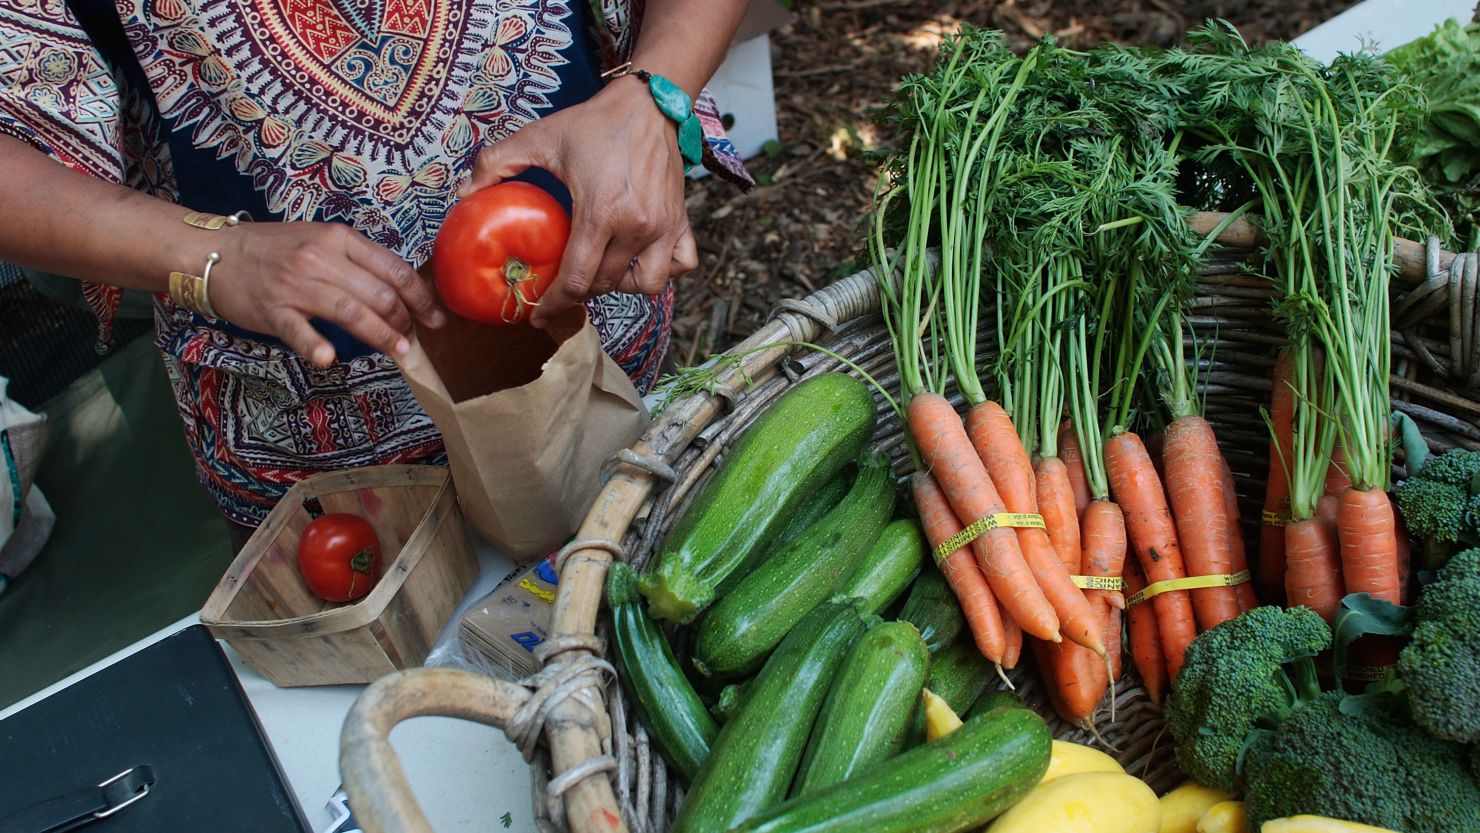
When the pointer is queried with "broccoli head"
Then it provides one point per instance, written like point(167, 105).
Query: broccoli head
point(1441, 665)
point(1359, 767)
point(1246, 673)
point(1441, 501)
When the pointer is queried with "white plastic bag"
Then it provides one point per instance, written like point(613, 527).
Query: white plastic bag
point(26, 519)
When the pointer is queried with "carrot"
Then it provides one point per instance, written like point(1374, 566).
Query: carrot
point(1194, 480)
point(1056, 505)
point(1338, 479)
point(1155, 443)
point(1146, 652)
point(1104, 550)
point(1312, 567)
point(1238, 554)
point(1073, 458)
point(1367, 529)
point(946, 449)
point(1277, 487)
point(1014, 650)
point(1153, 536)
point(1113, 642)
point(1326, 508)
point(996, 441)
point(959, 568)
point(1075, 679)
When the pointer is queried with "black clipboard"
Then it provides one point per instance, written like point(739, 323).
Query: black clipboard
point(175, 707)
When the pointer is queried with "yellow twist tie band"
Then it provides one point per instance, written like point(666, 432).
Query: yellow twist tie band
point(1011, 520)
point(1277, 518)
point(1186, 583)
point(1098, 582)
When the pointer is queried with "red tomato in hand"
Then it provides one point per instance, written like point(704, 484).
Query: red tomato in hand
point(498, 250)
point(339, 556)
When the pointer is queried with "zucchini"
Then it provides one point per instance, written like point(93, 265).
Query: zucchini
point(666, 702)
point(812, 511)
point(958, 675)
point(888, 568)
point(730, 698)
point(866, 717)
point(932, 608)
point(756, 754)
point(742, 628)
point(781, 461)
point(1000, 698)
point(958, 782)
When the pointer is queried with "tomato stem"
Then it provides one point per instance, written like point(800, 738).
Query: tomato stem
point(517, 272)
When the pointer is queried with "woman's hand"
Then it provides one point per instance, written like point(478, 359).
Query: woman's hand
point(618, 155)
point(274, 277)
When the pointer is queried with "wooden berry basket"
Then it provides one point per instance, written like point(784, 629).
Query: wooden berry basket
point(597, 770)
point(263, 608)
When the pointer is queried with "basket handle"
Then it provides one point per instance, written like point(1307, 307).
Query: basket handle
point(380, 797)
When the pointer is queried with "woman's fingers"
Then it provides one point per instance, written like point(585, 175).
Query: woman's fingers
point(525, 149)
point(374, 292)
point(685, 254)
point(588, 241)
point(408, 290)
point(332, 303)
point(295, 331)
point(650, 270)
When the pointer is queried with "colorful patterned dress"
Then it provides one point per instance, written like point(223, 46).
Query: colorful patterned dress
point(365, 112)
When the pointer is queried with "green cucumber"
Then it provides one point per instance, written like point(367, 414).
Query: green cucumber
point(958, 782)
point(779, 464)
point(666, 702)
point(755, 757)
point(867, 714)
point(812, 511)
point(931, 606)
point(1000, 698)
point(742, 628)
point(889, 567)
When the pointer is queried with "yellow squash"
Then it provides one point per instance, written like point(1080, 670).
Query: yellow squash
point(1182, 807)
point(939, 719)
point(1318, 824)
point(1074, 759)
point(1090, 802)
point(1224, 817)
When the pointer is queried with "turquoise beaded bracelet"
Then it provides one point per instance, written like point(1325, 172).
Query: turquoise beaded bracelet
point(674, 103)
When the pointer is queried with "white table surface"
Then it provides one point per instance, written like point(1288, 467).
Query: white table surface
point(468, 776)
point(465, 775)
point(1383, 23)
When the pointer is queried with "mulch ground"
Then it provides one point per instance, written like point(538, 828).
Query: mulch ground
point(833, 64)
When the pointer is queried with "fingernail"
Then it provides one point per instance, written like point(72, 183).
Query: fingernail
point(403, 347)
point(438, 318)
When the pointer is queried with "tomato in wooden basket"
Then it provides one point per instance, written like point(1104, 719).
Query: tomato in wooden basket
point(498, 250)
point(339, 556)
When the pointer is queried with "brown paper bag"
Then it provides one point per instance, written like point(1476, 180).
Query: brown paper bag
point(529, 418)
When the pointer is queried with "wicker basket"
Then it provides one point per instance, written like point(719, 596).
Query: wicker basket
point(590, 728)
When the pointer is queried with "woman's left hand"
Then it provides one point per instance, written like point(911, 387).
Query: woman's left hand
point(618, 155)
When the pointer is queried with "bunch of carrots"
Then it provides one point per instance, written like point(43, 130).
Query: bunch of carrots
point(1313, 140)
point(1068, 203)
